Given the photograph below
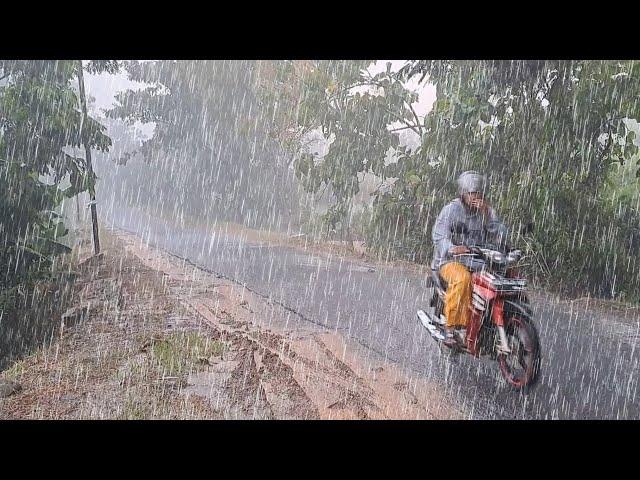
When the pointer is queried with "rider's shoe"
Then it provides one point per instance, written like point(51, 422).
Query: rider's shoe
point(449, 340)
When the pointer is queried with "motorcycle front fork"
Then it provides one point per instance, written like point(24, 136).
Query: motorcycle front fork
point(497, 314)
point(504, 344)
point(474, 330)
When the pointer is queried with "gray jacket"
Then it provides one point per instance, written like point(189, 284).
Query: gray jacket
point(451, 218)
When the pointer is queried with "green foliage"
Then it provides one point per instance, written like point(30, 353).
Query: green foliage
point(548, 133)
point(40, 121)
point(550, 143)
point(352, 109)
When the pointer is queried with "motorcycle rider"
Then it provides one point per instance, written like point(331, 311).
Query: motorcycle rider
point(466, 221)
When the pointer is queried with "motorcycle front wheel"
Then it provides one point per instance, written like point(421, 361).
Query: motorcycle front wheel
point(521, 367)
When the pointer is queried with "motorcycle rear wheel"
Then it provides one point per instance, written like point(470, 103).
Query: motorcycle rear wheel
point(521, 367)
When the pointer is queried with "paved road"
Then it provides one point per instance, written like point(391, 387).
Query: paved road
point(591, 360)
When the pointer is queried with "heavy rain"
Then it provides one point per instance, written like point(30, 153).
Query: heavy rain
point(235, 239)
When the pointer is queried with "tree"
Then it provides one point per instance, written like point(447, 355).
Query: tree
point(210, 153)
point(547, 132)
point(40, 122)
point(352, 109)
point(87, 158)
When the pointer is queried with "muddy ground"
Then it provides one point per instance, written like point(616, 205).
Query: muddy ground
point(149, 336)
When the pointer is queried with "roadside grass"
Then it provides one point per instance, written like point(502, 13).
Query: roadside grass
point(183, 352)
point(16, 371)
point(134, 409)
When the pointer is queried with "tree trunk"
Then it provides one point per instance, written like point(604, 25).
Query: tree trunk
point(77, 212)
point(87, 149)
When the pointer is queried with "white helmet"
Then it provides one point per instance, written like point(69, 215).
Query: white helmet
point(471, 181)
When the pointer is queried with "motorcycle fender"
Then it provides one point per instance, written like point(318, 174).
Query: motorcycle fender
point(517, 307)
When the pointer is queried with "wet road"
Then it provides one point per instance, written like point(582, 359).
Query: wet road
point(590, 360)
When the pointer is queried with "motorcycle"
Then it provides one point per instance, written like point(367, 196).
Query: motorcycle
point(501, 326)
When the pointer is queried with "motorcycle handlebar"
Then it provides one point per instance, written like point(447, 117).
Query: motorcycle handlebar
point(473, 252)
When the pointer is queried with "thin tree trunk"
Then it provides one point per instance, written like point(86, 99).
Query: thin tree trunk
point(87, 149)
point(77, 211)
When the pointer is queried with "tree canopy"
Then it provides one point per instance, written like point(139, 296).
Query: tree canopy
point(40, 126)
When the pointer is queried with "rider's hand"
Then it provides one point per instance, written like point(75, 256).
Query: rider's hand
point(482, 205)
point(459, 250)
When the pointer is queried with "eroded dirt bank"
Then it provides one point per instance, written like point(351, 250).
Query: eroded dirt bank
point(151, 336)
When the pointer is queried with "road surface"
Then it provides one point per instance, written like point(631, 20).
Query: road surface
point(590, 358)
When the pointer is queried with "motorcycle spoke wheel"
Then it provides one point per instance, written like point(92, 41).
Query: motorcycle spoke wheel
point(520, 367)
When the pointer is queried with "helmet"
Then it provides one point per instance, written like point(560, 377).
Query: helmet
point(471, 181)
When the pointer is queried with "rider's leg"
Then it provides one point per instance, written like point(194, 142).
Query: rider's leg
point(457, 305)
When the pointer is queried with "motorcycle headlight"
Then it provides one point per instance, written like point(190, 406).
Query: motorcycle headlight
point(496, 257)
point(514, 256)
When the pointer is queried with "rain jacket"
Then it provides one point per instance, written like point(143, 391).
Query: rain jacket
point(458, 225)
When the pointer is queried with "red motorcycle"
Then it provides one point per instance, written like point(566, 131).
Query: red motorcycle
point(501, 326)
